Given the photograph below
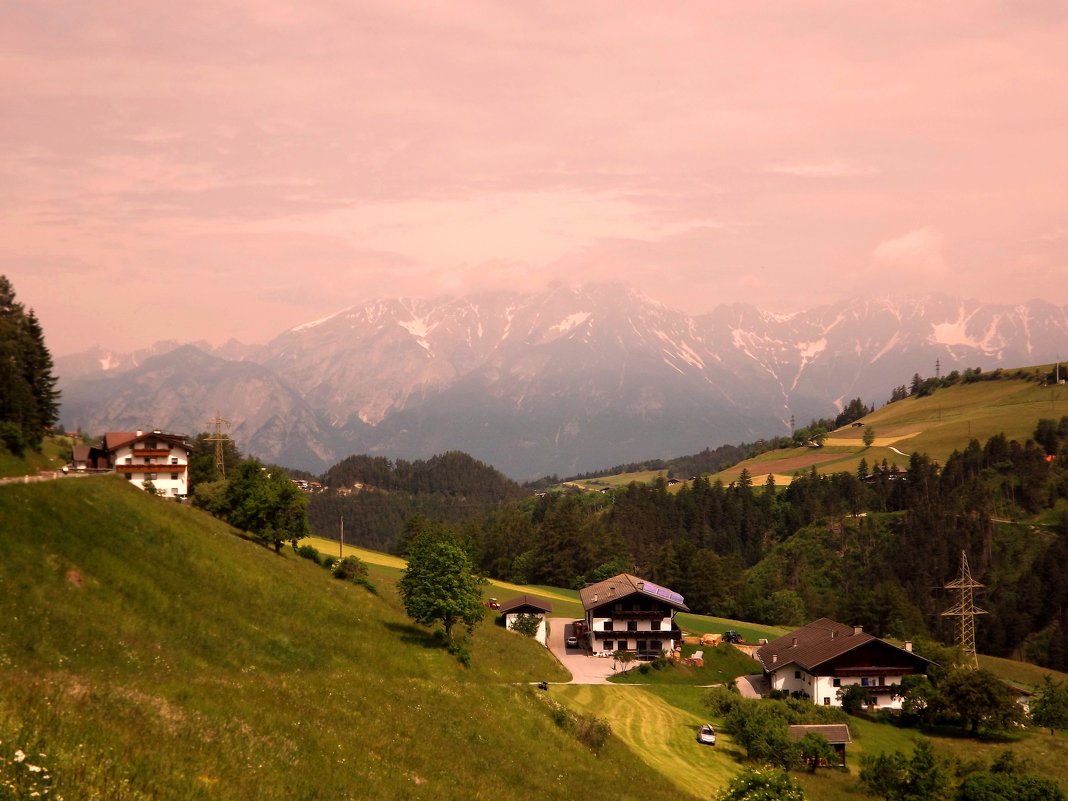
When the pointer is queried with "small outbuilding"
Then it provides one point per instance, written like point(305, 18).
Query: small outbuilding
point(527, 605)
point(837, 734)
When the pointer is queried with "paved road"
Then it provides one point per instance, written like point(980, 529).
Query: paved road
point(753, 686)
point(584, 669)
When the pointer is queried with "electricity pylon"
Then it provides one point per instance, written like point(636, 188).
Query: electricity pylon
point(218, 437)
point(965, 609)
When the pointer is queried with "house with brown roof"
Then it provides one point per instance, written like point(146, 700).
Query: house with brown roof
point(818, 659)
point(150, 457)
point(627, 613)
point(527, 605)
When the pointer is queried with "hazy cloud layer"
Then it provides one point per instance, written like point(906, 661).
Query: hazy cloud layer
point(228, 168)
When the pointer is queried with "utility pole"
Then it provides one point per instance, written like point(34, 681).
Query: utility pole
point(938, 368)
point(965, 609)
point(218, 437)
point(341, 547)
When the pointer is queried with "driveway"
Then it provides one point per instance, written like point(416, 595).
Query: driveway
point(584, 669)
point(754, 686)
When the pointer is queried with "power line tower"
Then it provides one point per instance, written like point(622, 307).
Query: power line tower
point(965, 609)
point(218, 437)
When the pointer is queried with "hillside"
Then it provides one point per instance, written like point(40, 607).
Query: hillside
point(149, 652)
point(935, 424)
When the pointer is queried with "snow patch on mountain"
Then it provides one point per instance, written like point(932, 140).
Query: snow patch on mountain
point(314, 323)
point(570, 323)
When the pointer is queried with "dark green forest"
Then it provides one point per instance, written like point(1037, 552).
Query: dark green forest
point(29, 400)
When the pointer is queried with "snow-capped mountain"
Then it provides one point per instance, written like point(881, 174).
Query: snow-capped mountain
point(555, 382)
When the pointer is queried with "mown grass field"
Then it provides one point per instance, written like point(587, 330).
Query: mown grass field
point(150, 653)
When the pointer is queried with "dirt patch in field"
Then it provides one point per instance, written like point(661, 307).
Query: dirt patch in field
point(74, 578)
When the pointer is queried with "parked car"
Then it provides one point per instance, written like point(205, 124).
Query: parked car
point(706, 735)
point(572, 642)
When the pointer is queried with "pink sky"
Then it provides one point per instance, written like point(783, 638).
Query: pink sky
point(232, 168)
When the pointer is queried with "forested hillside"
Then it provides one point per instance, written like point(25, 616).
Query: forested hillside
point(376, 496)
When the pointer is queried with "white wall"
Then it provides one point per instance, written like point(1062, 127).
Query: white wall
point(163, 467)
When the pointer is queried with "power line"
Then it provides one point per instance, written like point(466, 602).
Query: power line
point(218, 437)
point(965, 609)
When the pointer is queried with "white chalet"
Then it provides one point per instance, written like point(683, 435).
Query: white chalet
point(152, 456)
point(627, 613)
point(817, 660)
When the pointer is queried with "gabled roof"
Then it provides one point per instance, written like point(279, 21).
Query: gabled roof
point(818, 642)
point(528, 601)
point(836, 733)
point(623, 585)
point(113, 440)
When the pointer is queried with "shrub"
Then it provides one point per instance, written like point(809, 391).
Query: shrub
point(308, 552)
point(643, 668)
point(351, 568)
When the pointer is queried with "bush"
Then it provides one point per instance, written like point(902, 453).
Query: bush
point(308, 552)
point(11, 438)
point(351, 568)
point(643, 668)
point(590, 731)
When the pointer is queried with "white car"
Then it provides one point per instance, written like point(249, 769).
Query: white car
point(572, 642)
point(706, 735)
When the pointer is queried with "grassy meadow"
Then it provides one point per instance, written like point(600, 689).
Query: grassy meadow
point(150, 653)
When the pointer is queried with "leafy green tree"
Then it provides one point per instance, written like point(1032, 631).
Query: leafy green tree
point(853, 697)
point(815, 750)
point(1049, 709)
point(267, 505)
point(526, 624)
point(869, 437)
point(883, 773)
point(761, 730)
point(984, 786)
point(978, 698)
point(762, 785)
point(439, 584)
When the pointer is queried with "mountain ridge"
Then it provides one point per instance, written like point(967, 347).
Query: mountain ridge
point(560, 381)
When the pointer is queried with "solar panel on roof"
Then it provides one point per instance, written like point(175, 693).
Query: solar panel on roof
point(662, 592)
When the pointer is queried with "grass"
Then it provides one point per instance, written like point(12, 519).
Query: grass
point(55, 452)
point(151, 653)
point(722, 663)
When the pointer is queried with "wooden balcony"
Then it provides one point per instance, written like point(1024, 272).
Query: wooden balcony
point(663, 634)
point(150, 468)
point(141, 452)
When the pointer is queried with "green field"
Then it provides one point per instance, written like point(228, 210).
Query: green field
point(149, 653)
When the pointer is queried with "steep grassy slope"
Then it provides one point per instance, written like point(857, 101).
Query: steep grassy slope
point(150, 653)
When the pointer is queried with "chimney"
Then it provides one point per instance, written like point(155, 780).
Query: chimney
point(774, 658)
point(140, 433)
point(908, 646)
point(834, 633)
point(858, 629)
point(595, 597)
point(794, 643)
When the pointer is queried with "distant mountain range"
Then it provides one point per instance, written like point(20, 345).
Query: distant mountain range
point(562, 381)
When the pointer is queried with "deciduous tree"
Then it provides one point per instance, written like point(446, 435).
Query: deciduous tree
point(440, 585)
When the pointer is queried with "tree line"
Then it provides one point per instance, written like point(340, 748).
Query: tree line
point(29, 400)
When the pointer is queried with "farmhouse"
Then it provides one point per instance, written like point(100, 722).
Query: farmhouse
point(818, 659)
point(152, 457)
point(526, 605)
point(627, 613)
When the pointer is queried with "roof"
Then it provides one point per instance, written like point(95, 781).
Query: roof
point(625, 584)
point(113, 440)
point(526, 600)
point(836, 733)
point(80, 453)
point(818, 642)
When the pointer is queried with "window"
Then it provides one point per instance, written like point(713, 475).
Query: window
point(129, 476)
point(608, 625)
point(826, 701)
point(148, 460)
point(632, 625)
point(619, 607)
point(836, 682)
point(150, 476)
point(174, 476)
point(654, 626)
point(609, 645)
point(655, 646)
point(174, 460)
point(129, 460)
point(797, 674)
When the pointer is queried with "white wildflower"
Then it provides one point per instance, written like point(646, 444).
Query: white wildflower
point(19, 756)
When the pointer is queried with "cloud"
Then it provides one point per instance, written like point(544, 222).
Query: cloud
point(917, 253)
point(822, 169)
